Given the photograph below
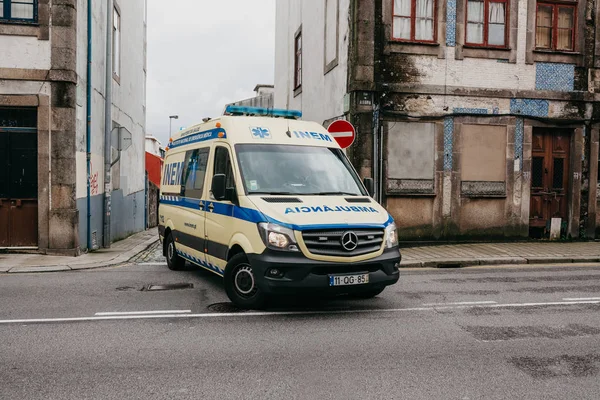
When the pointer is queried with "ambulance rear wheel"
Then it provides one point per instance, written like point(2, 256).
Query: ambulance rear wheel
point(240, 284)
point(174, 262)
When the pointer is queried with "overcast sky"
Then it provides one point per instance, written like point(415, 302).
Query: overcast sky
point(203, 54)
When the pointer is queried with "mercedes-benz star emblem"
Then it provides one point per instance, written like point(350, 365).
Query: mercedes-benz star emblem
point(349, 241)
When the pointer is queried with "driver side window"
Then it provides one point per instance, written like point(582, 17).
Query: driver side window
point(223, 166)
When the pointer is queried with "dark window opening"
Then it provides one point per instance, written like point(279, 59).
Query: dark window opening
point(18, 117)
point(298, 61)
point(537, 172)
point(557, 178)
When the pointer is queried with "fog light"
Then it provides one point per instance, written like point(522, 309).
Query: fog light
point(275, 273)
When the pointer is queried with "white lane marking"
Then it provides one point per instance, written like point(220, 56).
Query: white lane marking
point(461, 303)
point(143, 312)
point(581, 298)
point(292, 313)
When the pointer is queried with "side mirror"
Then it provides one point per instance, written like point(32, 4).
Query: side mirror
point(368, 182)
point(218, 186)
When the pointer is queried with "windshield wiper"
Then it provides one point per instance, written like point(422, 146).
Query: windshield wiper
point(332, 194)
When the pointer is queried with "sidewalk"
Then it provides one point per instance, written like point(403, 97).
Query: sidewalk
point(119, 253)
point(463, 255)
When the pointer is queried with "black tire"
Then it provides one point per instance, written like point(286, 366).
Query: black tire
point(369, 294)
point(174, 262)
point(240, 284)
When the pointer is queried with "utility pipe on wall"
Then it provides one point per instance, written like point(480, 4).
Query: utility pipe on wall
point(108, 123)
point(88, 129)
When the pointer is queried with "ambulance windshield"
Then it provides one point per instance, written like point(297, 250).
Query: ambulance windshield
point(296, 170)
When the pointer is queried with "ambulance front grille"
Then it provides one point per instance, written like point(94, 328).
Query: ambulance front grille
point(329, 242)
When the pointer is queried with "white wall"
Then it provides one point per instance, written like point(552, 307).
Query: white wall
point(322, 96)
point(153, 145)
point(129, 96)
point(24, 52)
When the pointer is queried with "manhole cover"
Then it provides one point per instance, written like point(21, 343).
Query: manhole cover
point(224, 308)
point(169, 286)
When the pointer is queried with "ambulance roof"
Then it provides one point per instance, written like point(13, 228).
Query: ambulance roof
point(238, 129)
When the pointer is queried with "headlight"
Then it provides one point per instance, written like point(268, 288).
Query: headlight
point(391, 236)
point(277, 237)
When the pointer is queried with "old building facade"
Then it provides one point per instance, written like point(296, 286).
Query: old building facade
point(53, 88)
point(477, 119)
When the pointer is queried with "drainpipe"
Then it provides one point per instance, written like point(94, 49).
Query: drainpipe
point(108, 123)
point(88, 129)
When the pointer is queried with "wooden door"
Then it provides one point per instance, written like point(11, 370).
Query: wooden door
point(18, 178)
point(549, 176)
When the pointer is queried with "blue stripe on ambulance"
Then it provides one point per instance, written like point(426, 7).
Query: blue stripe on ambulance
point(255, 216)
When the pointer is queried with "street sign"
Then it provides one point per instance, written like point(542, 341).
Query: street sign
point(121, 138)
point(343, 132)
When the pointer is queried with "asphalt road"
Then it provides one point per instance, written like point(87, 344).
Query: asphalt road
point(481, 333)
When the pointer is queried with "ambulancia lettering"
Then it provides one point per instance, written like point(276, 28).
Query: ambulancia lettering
point(293, 210)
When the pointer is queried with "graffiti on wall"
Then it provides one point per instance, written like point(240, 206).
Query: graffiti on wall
point(94, 187)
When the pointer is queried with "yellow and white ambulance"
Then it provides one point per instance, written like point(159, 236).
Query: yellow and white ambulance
point(271, 203)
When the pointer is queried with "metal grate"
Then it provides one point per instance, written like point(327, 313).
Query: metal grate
point(410, 186)
point(537, 172)
point(282, 199)
point(329, 242)
point(483, 188)
point(559, 170)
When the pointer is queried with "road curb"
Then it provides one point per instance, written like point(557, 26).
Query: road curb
point(117, 260)
point(471, 262)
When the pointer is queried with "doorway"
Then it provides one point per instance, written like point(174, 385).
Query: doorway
point(549, 179)
point(18, 178)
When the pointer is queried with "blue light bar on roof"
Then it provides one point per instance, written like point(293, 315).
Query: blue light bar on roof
point(261, 111)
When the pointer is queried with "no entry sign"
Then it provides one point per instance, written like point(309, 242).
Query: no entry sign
point(343, 132)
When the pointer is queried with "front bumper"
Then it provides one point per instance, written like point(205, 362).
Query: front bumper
point(303, 275)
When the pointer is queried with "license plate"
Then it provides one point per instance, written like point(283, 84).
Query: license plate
point(345, 280)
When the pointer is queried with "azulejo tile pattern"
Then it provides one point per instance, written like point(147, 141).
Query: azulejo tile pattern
point(470, 110)
point(553, 76)
point(519, 133)
point(451, 23)
point(448, 145)
point(530, 107)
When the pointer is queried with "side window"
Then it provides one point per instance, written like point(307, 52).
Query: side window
point(194, 173)
point(223, 165)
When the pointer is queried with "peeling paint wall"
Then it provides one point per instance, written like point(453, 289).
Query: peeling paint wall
point(324, 83)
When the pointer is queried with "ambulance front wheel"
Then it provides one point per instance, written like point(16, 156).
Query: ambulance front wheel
point(174, 262)
point(240, 284)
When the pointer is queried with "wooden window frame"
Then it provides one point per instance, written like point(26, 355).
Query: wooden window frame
point(298, 60)
point(556, 6)
point(6, 18)
point(486, 24)
point(413, 21)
